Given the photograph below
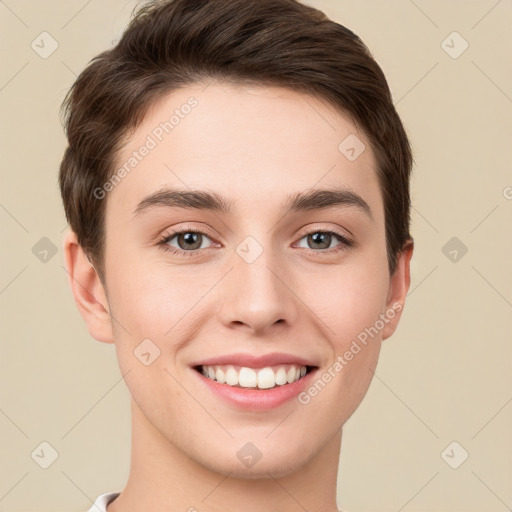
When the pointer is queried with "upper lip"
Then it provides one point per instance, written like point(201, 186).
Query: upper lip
point(251, 361)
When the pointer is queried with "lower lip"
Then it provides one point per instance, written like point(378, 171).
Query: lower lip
point(257, 399)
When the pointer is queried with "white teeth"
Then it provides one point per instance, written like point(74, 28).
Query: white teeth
point(247, 378)
point(281, 376)
point(264, 378)
point(220, 376)
point(231, 376)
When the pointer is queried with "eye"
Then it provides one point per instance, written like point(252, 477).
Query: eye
point(184, 241)
point(189, 241)
point(324, 239)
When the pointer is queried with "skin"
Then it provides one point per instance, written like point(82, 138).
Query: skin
point(254, 146)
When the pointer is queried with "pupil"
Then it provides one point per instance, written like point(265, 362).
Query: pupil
point(317, 239)
point(191, 240)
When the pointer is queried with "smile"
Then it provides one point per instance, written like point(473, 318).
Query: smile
point(254, 378)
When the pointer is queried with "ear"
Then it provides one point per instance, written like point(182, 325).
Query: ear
point(89, 293)
point(398, 288)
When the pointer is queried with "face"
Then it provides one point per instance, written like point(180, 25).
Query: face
point(260, 263)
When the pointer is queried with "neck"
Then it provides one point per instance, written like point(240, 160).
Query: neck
point(164, 478)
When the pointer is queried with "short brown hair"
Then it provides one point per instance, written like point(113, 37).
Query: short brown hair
point(170, 44)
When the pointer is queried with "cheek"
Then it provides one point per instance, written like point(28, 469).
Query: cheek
point(341, 301)
point(348, 301)
point(349, 318)
point(154, 300)
point(151, 312)
point(150, 299)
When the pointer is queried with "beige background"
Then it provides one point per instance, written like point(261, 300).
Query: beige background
point(445, 375)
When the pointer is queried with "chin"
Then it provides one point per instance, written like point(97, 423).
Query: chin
point(271, 464)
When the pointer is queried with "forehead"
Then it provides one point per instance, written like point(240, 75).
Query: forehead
point(254, 145)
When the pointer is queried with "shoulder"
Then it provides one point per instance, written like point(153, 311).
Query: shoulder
point(101, 502)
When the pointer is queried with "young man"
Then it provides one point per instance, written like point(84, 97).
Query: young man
point(237, 186)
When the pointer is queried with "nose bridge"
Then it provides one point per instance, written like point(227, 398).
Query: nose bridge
point(256, 267)
point(257, 295)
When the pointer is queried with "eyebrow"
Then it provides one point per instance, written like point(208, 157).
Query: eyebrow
point(315, 199)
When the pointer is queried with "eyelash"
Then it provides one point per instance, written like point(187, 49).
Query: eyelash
point(163, 243)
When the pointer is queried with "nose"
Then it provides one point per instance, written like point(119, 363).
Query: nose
point(257, 295)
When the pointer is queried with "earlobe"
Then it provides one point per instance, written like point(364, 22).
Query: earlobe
point(398, 289)
point(88, 290)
